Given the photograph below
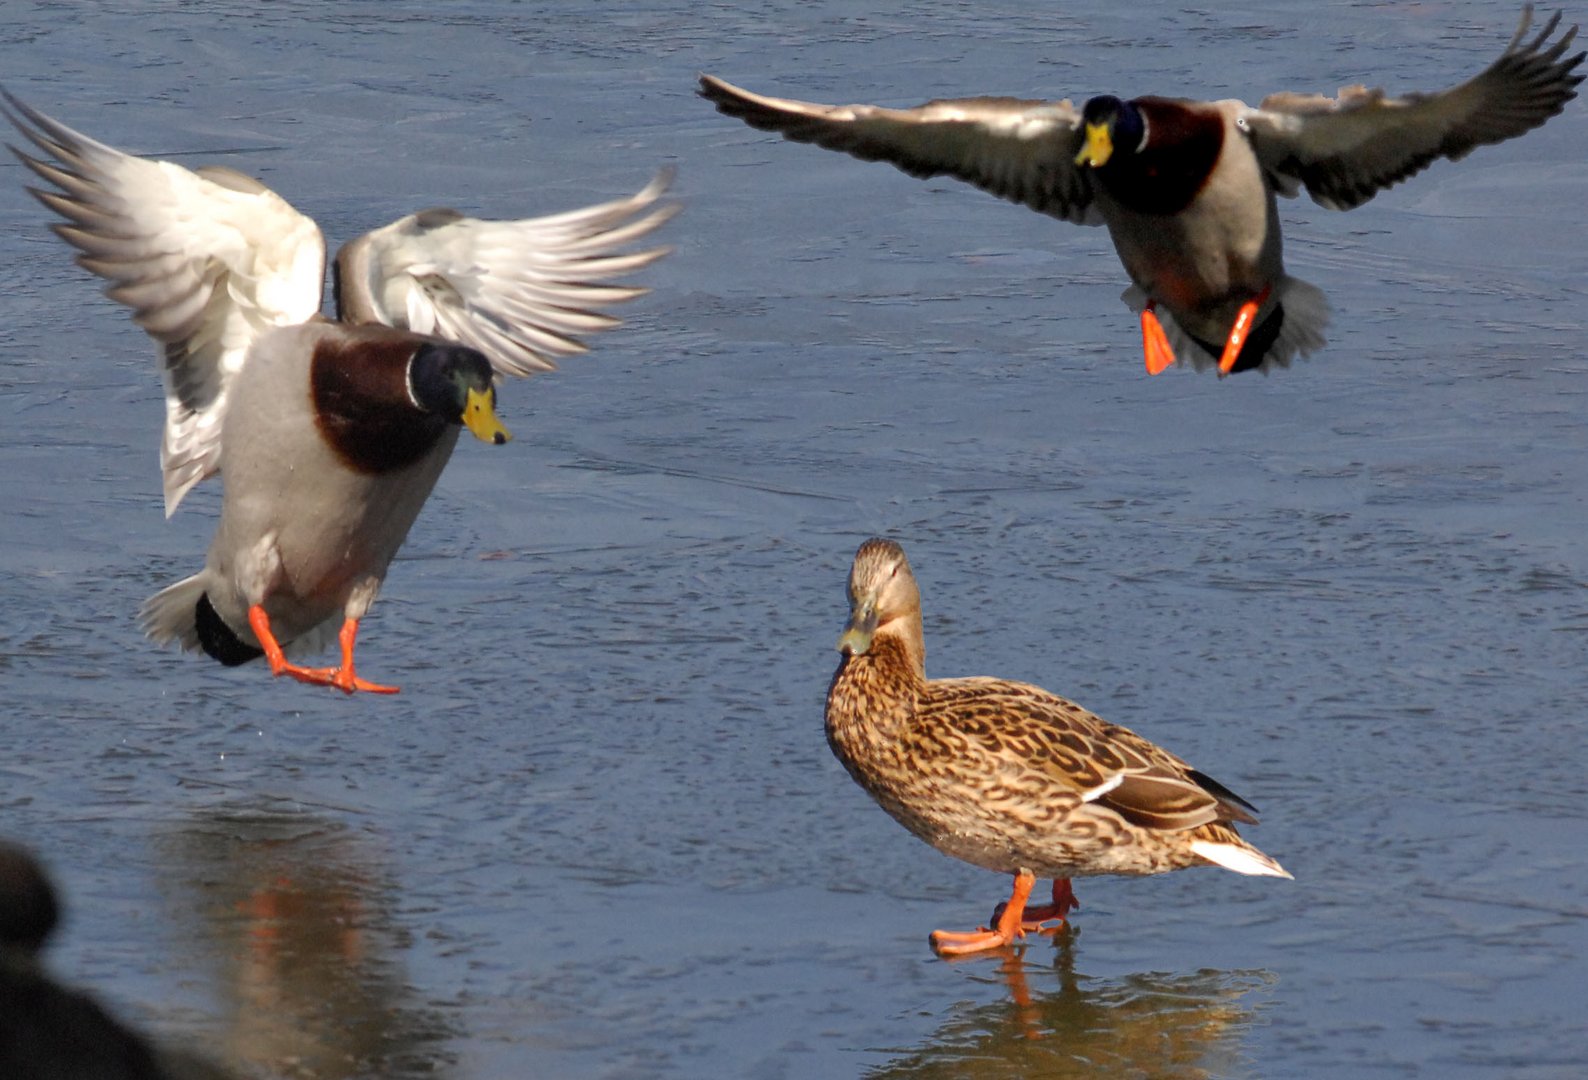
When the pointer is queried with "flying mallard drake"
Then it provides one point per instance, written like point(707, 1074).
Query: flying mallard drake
point(1007, 776)
point(328, 435)
point(1187, 188)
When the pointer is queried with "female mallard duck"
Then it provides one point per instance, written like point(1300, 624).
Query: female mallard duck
point(1007, 776)
point(329, 436)
point(1187, 188)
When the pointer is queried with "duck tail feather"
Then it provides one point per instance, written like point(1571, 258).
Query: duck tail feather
point(1241, 858)
point(171, 615)
point(1306, 314)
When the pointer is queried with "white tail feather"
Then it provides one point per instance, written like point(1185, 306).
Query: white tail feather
point(168, 615)
point(1243, 860)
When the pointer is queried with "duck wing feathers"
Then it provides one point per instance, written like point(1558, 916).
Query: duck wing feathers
point(1020, 150)
point(519, 291)
point(206, 259)
point(1346, 149)
point(1023, 728)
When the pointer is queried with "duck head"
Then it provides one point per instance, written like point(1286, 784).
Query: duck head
point(883, 597)
point(1109, 124)
point(454, 381)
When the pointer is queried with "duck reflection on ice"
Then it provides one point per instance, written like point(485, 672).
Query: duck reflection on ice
point(1177, 1026)
point(294, 916)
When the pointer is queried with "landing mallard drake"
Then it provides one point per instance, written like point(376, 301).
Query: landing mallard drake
point(328, 435)
point(1007, 776)
point(1187, 188)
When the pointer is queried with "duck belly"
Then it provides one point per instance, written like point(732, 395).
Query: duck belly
point(304, 555)
point(1070, 841)
point(1204, 262)
point(300, 531)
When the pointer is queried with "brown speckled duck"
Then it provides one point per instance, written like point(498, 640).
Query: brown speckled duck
point(329, 435)
point(1007, 776)
point(1187, 188)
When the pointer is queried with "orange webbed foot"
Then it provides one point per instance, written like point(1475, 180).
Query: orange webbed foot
point(1005, 931)
point(345, 680)
point(1037, 919)
point(314, 676)
point(349, 683)
point(1241, 327)
point(342, 678)
point(964, 943)
point(1155, 343)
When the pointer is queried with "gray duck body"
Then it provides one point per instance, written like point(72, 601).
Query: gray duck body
point(325, 466)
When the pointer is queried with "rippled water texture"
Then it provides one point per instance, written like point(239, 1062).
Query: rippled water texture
point(599, 834)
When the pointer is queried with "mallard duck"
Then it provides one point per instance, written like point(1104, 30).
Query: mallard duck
point(1007, 776)
point(1187, 188)
point(328, 435)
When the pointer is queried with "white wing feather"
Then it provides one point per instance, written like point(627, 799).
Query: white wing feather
point(519, 291)
point(206, 260)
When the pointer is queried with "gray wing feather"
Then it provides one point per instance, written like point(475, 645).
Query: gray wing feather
point(1347, 148)
point(206, 260)
point(1020, 150)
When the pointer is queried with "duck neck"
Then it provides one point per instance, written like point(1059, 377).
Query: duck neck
point(875, 692)
point(1168, 170)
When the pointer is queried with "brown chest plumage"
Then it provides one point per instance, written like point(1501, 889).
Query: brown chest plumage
point(362, 404)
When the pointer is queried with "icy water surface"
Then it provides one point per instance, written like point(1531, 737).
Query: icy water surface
point(600, 834)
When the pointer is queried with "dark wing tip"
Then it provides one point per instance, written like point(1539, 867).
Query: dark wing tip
point(1239, 809)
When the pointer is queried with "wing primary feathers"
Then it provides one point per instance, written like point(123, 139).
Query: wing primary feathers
point(519, 291)
point(1239, 809)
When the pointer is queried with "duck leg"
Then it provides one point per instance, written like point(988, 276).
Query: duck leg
point(1064, 902)
point(1154, 342)
point(1241, 327)
point(343, 678)
point(1006, 930)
